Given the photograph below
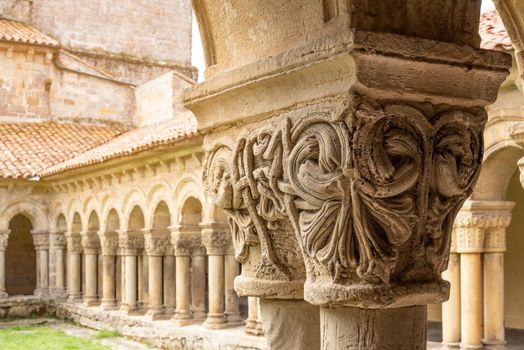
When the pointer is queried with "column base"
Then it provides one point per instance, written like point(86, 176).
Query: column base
point(215, 321)
point(234, 318)
point(58, 293)
point(253, 329)
point(199, 316)
point(74, 297)
point(155, 314)
point(3, 294)
point(452, 344)
point(90, 301)
point(468, 346)
point(41, 292)
point(493, 342)
point(109, 304)
point(169, 312)
point(183, 319)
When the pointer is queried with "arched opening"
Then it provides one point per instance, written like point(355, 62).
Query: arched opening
point(191, 212)
point(112, 227)
point(161, 217)
point(20, 264)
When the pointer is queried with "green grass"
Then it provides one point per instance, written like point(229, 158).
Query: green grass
point(107, 333)
point(43, 338)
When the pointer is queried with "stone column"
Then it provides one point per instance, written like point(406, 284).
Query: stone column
point(4, 237)
point(74, 267)
point(198, 284)
point(184, 241)
point(131, 242)
point(90, 243)
point(41, 243)
point(109, 243)
point(156, 242)
point(59, 243)
point(342, 157)
point(216, 238)
point(169, 282)
point(252, 316)
point(494, 247)
point(451, 308)
point(232, 304)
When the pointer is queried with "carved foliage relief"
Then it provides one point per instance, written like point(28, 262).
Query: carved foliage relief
point(371, 190)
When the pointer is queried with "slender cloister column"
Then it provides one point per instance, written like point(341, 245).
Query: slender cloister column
point(253, 322)
point(499, 218)
point(184, 241)
point(156, 242)
point(169, 282)
point(131, 242)
point(4, 238)
point(216, 239)
point(59, 244)
point(109, 244)
point(341, 158)
point(232, 303)
point(74, 266)
point(198, 282)
point(90, 243)
point(41, 243)
point(451, 308)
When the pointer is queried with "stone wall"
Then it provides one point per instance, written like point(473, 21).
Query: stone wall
point(161, 99)
point(18, 10)
point(156, 30)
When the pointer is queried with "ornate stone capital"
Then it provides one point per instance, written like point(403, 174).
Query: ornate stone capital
point(74, 243)
point(90, 243)
point(130, 241)
point(481, 226)
point(344, 189)
point(59, 240)
point(187, 241)
point(109, 243)
point(217, 239)
point(156, 243)
point(40, 239)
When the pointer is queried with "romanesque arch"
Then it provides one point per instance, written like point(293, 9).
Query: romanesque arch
point(33, 210)
point(20, 264)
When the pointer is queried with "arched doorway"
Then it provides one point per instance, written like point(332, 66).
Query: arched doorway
point(20, 258)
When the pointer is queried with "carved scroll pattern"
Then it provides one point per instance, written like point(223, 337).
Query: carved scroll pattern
point(357, 197)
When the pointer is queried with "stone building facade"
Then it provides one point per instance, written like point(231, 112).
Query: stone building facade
point(134, 193)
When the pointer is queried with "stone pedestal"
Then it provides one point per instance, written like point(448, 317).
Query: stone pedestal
point(156, 243)
point(109, 243)
point(342, 155)
point(74, 267)
point(4, 237)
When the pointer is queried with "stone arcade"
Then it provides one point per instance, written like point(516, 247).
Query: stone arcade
point(315, 195)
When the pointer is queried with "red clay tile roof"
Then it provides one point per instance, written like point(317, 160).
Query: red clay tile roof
point(23, 33)
point(129, 143)
point(26, 149)
point(492, 32)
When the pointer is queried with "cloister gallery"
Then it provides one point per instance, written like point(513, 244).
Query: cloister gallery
point(320, 187)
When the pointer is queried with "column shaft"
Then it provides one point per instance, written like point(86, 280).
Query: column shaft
point(131, 283)
point(59, 256)
point(252, 316)
point(494, 298)
point(231, 299)
point(215, 317)
point(169, 284)
point(90, 296)
point(401, 328)
point(451, 308)
point(182, 312)
point(471, 300)
point(3, 293)
point(198, 287)
point(44, 269)
point(291, 325)
point(108, 285)
point(74, 275)
point(155, 286)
